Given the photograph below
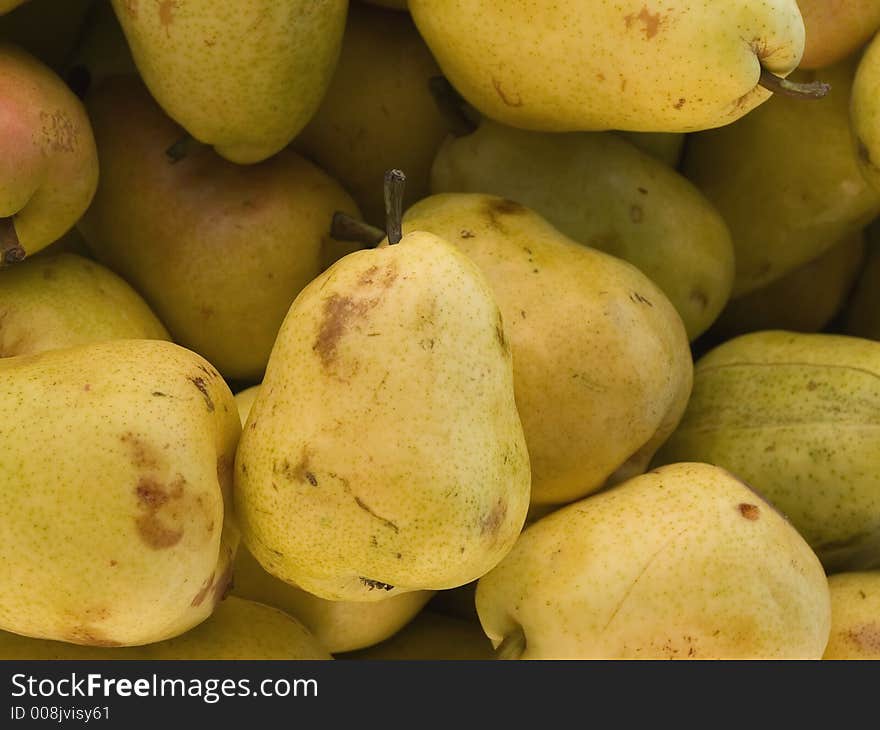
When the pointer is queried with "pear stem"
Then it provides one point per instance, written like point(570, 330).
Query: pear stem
point(779, 85)
point(181, 148)
point(11, 250)
point(512, 646)
point(347, 228)
point(395, 184)
point(452, 106)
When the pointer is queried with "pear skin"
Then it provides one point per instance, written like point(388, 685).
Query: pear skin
point(52, 302)
point(384, 452)
point(243, 78)
point(684, 562)
point(604, 193)
point(836, 28)
point(115, 512)
point(796, 416)
point(218, 250)
point(48, 159)
point(855, 616)
point(236, 630)
point(865, 112)
point(786, 179)
point(602, 367)
point(568, 66)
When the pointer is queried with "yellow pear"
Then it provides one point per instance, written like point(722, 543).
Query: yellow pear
point(786, 179)
point(855, 616)
point(865, 112)
point(242, 77)
point(116, 474)
point(384, 452)
point(602, 367)
point(604, 193)
point(612, 64)
point(836, 28)
point(238, 629)
point(682, 562)
point(664, 146)
point(51, 302)
point(796, 416)
point(353, 135)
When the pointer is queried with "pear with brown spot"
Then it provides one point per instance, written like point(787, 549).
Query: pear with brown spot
point(384, 452)
point(685, 562)
point(115, 522)
point(855, 616)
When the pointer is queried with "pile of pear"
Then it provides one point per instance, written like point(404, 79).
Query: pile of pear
point(418, 329)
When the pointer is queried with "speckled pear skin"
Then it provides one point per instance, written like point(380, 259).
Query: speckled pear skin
point(237, 629)
point(48, 159)
point(836, 28)
point(796, 416)
point(115, 527)
point(384, 452)
point(604, 193)
point(682, 562)
point(855, 616)
point(65, 300)
point(634, 65)
point(241, 75)
point(602, 366)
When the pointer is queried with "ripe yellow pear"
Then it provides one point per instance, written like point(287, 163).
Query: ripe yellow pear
point(115, 522)
point(384, 452)
point(604, 193)
point(242, 77)
point(678, 66)
point(836, 28)
point(682, 562)
point(602, 367)
point(51, 302)
point(865, 112)
point(48, 160)
point(796, 416)
point(855, 616)
point(238, 629)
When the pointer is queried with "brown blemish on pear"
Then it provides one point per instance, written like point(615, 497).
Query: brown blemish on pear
point(200, 384)
point(650, 21)
point(866, 637)
point(508, 98)
point(152, 497)
point(199, 597)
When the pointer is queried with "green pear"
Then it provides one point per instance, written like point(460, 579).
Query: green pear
point(855, 616)
point(604, 193)
point(218, 250)
point(612, 64)
point(238, 629)
point(384, 63)
point(48, 159)
point(602, 367)
point(795, 415)
point(384, 452)
point(115, 523)
point(665, 146)
point(47, 29)
point(803, 300)
point(244, 78)
point(431, 637)
point(865, 112)
point(786, 179)
point(51, 302)
point(683, 562)
point(862, 315)
point(836, 29)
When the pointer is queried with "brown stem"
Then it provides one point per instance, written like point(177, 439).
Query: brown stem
point(452, 107)
point(395, 184)
point(346, 228)
point(512, 646)
point(779, 85)
point(11, 250)
point(182, 147)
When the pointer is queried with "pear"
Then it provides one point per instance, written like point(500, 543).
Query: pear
point(865, 112)
point(575, 66)
point(218, 250)
point(604, 193)
point(244, 401)
point(431, 637)
point(51, 302)
point(683, 562)
point(666, 147)
point(238, 629)
point(602, 367)
point(243, 78)
point(836, 29)
point(786, 179)
point(352, 136)
point(47, 29)
point(116, 473)
point(48, 159)
point(384, 452)
point(855, 616)
point(797, 416)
